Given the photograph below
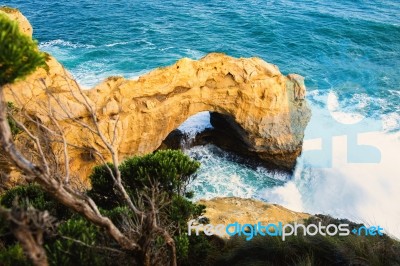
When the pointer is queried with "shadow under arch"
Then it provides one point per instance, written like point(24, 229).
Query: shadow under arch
point(220, 130)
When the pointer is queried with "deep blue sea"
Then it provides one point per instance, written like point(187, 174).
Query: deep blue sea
point(348, 51)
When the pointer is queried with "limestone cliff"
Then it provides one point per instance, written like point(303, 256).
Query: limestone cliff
point(267, 107)
point(23, 22)
point(248, 211)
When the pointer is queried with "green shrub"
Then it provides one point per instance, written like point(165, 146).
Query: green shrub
point(182, 210)
point(102, 191)
point(117, 214)
point(19, 55)
point(171, 169)
point(311, 250)
point(11, 122)
point(37, 198)
point(13, 255)
point(182, 246)
point(64, 250)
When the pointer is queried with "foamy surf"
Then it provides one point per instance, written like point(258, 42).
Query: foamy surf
point(363, 192)
point(220, 175)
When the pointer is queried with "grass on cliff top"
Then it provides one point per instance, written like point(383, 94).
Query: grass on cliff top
point(309, 250)
point(8, 9)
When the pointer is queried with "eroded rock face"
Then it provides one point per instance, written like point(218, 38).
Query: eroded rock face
point(268, 107)
point(23, 22)
point(228, 210)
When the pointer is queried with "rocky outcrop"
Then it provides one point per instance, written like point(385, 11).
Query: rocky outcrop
point(23, 23)
point(267, 109)
point(248, 211)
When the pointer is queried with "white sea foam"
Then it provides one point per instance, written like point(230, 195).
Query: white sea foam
point(221, 176)
point(196, 124)
point(391, 122)
point(116, 43)
point(195, 54)
point(287, 195)
point(62, 43)
point(363, 192)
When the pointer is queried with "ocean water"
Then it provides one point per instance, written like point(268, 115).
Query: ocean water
point(349, 52)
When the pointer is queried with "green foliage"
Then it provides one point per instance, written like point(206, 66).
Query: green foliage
point(13, 125)
point(13, 255)
point(181, 210)
point(74, 247)
point(311, 250)
point(171, 169)
point(182, 246)
point(102, 191)
point(201, 248)
point(36, 198)
point(19, 55)
point(76, 241)
point(117, 214)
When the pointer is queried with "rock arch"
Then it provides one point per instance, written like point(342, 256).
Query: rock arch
point(269, 107)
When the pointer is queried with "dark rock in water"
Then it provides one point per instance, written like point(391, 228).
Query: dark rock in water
point(173, 141)
point(229, 136)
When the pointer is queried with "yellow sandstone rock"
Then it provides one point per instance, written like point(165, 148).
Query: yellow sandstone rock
point(248, 211)
point(268, 106)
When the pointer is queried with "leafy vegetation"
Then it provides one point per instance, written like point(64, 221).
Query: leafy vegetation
point(19, 54)
point(167, 171)
point(13, 255)
point(74, 244)
point(311, 250)
point(15, 130)
point(78, 242)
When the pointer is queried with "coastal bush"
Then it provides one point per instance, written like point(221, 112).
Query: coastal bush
point(11, 121)
point(102, 191)
point(74, 244)
point(76, 241)
point(311, 250)
point(36, 197)
point(19, 55)
point(171, 170)
point(13, 255)
point(166, 171)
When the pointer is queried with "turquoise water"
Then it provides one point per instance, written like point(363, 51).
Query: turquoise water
point(349, 52)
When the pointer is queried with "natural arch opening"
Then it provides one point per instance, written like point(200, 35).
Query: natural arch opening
point(228, 167)
point(221, 130)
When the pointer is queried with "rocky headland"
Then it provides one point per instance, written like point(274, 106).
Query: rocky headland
point(256, 109)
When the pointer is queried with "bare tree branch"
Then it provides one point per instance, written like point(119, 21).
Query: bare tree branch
point(28, 226)
point(142, 228)
point(63, 194)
